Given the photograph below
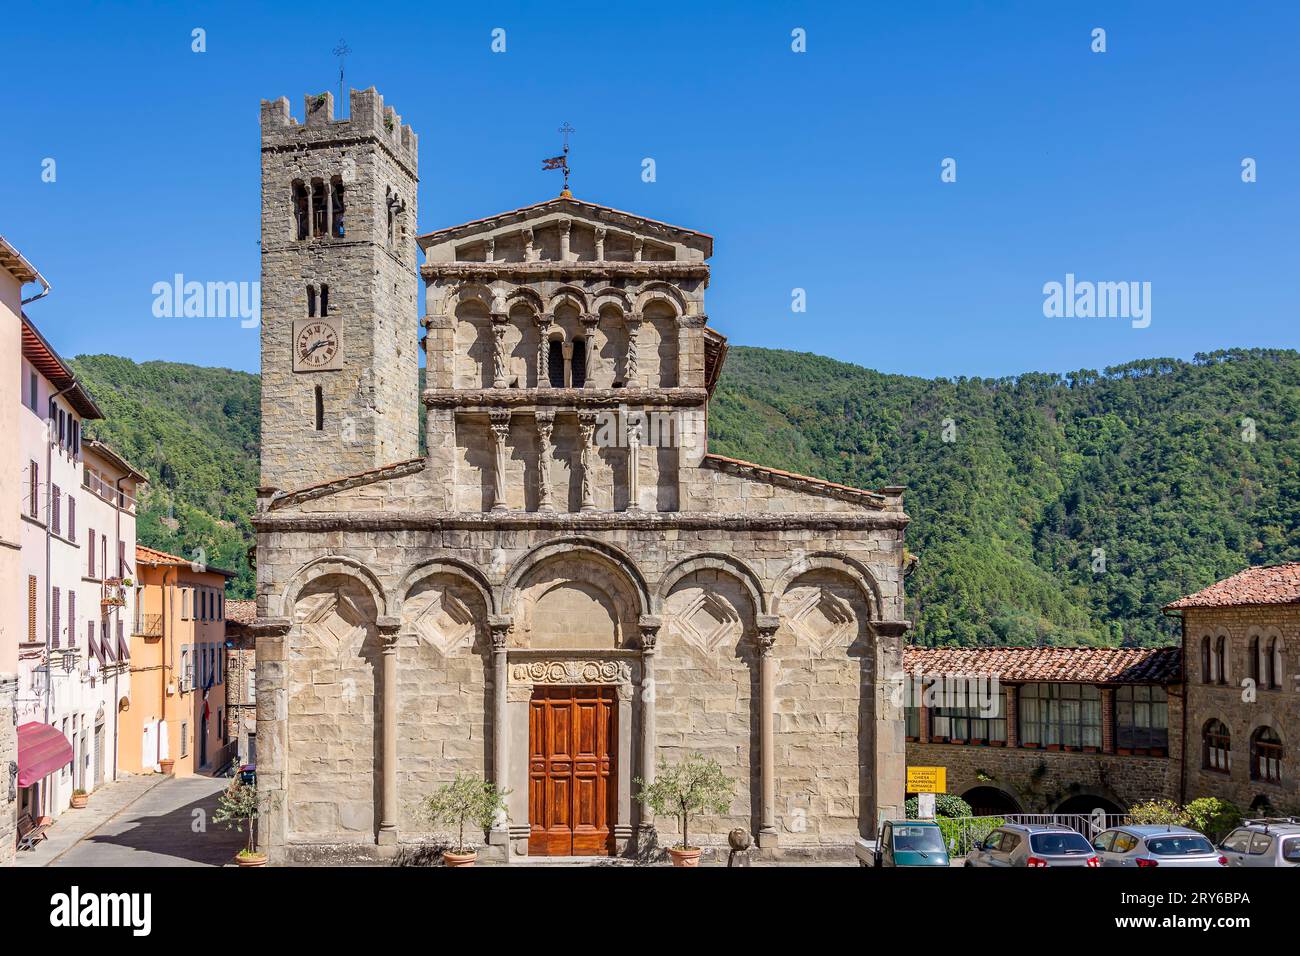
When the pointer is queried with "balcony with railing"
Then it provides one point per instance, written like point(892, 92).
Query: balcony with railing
point(102, 489)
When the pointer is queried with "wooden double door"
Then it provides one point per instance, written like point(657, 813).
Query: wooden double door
point(572, 781)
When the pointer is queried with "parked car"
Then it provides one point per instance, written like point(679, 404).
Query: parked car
point(1150, 845)
point(1266, 842)
point(1033, 845)
point(905, 843)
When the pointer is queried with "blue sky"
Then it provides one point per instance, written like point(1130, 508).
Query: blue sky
point(816, 170)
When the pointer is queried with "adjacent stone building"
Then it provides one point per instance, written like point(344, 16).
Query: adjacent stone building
point(1047, 729)
point(567, 587)
point(241, 676)
point(1240, 638)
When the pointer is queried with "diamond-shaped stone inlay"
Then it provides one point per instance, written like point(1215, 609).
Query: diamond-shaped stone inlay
point(444, 622)
point(708, 621)
point(331, 620)
point(822, 620)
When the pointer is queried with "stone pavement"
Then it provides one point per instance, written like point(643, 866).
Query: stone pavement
point(74, 825)
point(167, 821)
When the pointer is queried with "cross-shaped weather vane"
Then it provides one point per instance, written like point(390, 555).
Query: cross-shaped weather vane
point(562, 161)
point(341, 51)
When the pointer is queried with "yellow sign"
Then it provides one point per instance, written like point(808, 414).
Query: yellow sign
point(927, 779)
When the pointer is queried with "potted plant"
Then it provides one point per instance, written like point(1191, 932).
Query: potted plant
point(166, 764)
point(79, 798)
point(467, 799)
point(695, 786)
point(238, 807)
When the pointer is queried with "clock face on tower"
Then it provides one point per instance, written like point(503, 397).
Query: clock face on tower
point(317, 345)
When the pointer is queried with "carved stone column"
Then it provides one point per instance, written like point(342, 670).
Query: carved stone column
point(637, 244)
point(499, 372)
point(634, 461)
point(649, 625)
point(545, 420)
point(311, 209)
point(767, 628)
point(589, 323)
point(529, 254)
point(500, 418)
point(490, 245)
point(565, 225)
point(633, 358)
point(329, 210)
point(387, 835)
point(600, 243)
point(544, 322)
point(499, 625)
point(586, 431)
point(567, 350)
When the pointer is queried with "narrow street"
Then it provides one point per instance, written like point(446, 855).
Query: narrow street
point(140, 822)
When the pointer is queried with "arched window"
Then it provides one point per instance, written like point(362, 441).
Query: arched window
point(555, 363)
point(1275, 652)
point(1207, 664)
point(1216, 747)
point(299, 209)
point(579, 363)
point(1266, 755)
point(311, 302)
point(1258, 667)
point(320, 409)
point(1221, 659)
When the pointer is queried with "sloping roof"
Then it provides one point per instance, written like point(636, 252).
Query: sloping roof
point(1076, 665)
point(155, 558)
point(113, 458)
point(48, 363)
point(16, 264)
point(789, 479)
point(397, 469)
point(560, 202)
point(241, 612)
point(1276, 584)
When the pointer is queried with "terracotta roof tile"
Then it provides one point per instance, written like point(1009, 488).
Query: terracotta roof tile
point(1277, 584)
point(1079, 665)
point(145, 555)
point(241, 612)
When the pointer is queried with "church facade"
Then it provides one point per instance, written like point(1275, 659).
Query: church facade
point(566, 588)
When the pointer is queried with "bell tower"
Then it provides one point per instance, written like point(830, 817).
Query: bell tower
point(339, 278)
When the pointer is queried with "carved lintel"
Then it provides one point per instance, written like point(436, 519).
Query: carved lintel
point(571, 672)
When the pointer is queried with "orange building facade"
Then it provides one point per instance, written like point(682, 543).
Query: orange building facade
point(176, 720)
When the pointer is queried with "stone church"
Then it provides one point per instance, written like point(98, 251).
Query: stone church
point(566, 588)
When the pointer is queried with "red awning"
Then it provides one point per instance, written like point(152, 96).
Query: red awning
point(41, 751)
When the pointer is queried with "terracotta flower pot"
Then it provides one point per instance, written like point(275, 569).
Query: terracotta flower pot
point(244, 858)
point(688, 856)
point(79, 800)
point(459, 859)
point(165, 766)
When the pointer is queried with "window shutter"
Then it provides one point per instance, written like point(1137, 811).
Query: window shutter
point(72, 618)
point(31, 609)
point(34, 482)
point(55, 508)
point(91, 555)
point(54, 613)
point(72, 518)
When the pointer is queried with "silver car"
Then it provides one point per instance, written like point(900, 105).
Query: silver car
point(1032, 845)
point(1148, 846)
point(1268, 842)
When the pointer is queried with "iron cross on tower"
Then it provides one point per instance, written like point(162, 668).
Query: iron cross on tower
point(341, 51)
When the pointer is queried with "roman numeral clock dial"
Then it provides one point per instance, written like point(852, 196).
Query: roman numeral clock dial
point(317, 345)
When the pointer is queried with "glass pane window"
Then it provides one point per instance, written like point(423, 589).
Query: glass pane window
point(1141, 717)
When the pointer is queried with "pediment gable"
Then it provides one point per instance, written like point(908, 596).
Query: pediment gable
point(595, 232)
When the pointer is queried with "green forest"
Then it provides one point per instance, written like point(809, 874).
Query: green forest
point(1046, 508)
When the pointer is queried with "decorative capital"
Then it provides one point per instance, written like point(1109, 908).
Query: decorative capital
point(649, 625)
point(499, 625)
point(500, 418)
point(565, 225)
point(271, 626)
point(587, 426)
point(545, 417)
point(766, 626)
point(590, 319)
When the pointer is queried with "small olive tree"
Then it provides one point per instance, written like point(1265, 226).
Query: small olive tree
point(695, 786)
point(239, 807)
point(467, 799)
point(1158, 813)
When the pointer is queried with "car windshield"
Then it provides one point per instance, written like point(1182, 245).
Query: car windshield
point(1059, 843)
point(1179, 845)
point(1291, 850)
point(918, 839)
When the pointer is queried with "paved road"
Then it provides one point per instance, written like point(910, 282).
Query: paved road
point(169, 825)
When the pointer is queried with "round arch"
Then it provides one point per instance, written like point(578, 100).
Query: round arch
point(617, 560)
point(1087, 802)
point(453, 566)
point(987, 801)
point(328, 565)
point(570, 295)
point(712, 561)
point(661, 292)
point(855, 570)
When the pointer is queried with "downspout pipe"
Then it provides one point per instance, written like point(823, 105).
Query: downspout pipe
point(45, 290)
point(1187, 683)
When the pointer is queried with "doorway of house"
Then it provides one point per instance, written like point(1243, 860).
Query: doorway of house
point(571, 771)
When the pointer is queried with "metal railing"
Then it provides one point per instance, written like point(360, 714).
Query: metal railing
point(964, 833)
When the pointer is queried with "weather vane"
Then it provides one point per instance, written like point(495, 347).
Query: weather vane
point(562, 161)
point(341, 51)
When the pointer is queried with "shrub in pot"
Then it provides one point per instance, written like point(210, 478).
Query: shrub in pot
point(240, 806)
point(79, 798)
point(694, 787)
point(466, 800)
